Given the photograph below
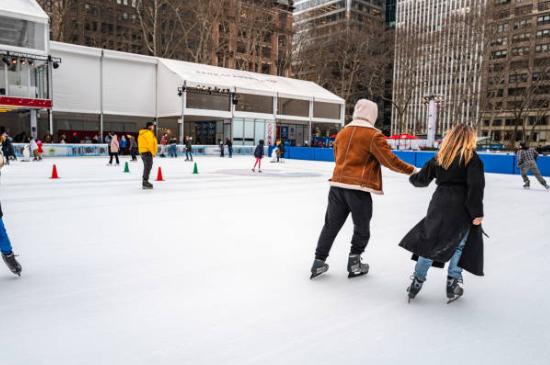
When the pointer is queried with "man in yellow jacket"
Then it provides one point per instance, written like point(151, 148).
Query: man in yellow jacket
point(147, 145)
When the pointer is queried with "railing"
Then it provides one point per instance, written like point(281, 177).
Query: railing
point(79, 150)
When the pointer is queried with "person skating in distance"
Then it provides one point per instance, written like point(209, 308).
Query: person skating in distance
point(259, 154)
point(359, 150)
point(527, 160)
point(451, 231)
point(147, 146)
point(5, 248)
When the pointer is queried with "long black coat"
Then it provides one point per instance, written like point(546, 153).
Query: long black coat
point(457, 200)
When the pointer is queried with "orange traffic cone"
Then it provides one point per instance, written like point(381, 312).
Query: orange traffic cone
point(159, 174)
point(54, 173)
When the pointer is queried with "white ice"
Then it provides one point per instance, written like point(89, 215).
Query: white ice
point(214, 269)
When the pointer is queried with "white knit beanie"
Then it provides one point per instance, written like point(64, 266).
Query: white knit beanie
point(366, 110)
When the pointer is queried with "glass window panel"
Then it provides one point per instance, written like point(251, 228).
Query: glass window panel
point(249, 129)
point(196, 100)
point(260, 131)
point(22, 33)
point(299, 108)
point(238, 129)
point(254, 103)
point(326, 110)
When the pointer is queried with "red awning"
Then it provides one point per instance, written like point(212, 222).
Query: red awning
point(14, 102)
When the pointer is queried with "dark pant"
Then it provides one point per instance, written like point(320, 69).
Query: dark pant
point(342, 202)
point(189, 155)
point(147, 165)
point(230, 150)
point(133, 152)
point(222, 151)
point(115, 155)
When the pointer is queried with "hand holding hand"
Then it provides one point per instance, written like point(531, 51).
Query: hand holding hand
point(477, 221)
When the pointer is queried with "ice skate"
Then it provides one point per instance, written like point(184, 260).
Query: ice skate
point(356, 267)
point(547, 187)
point(253, 170)
point(455, 289)
point(147, 185)
point(414, 288)
point(12, 263)
point(259, 171)
point(527, 185)
point(319, 267)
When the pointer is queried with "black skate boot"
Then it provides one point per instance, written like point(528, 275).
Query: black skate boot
point(526, 185)
point(319, 267)
point(455, 289)
point(414, 288)
point(356, 267)
point(147, 185)
point(12, 263)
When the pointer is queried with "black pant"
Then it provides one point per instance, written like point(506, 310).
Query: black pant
point(115, 155)
point(133, 152)
point(340, 203)
point(222, 151)
point(147, 158)
point(230, 150)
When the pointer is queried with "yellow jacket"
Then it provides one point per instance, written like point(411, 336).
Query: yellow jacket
point(147, 142)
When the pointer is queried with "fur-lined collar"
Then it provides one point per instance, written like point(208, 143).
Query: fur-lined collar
point(361, 123)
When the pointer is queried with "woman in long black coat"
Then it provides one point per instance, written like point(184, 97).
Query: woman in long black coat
point(451, 231)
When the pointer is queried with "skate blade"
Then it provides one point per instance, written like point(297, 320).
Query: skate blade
point(352, 275)
point(314, 275)
point(453, 299)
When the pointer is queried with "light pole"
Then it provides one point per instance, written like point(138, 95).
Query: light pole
point(433, 102)
point(182, 93)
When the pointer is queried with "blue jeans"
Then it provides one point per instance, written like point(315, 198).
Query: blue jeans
point(5, 244)
point(423, 264)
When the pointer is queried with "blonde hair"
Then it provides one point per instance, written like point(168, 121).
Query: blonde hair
point(460, 141)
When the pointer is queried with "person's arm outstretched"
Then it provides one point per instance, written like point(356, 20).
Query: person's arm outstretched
point(383, 153)
point(425, 176)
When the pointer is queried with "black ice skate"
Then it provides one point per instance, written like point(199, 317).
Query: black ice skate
point(319, 267)
point(414, 288)
point(455, 289)
point(12, 263)
point(356, 267)
point(527, 185)
point(147, 185)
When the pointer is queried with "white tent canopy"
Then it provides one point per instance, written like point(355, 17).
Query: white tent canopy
point(242, 81)
point(92, 80)
point(23, 9)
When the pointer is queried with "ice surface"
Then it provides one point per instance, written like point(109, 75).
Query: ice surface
point(214, 269)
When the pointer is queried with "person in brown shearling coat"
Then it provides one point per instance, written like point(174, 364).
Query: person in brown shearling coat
point(359, 150)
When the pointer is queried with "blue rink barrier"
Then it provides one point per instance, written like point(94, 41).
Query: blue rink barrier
point(501, 163)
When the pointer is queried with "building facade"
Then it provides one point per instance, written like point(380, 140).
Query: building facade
point(438, 56)
point(516, 105)
point(241, 34)
point(337, 44)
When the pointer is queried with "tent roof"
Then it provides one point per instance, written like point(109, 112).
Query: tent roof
point(196, 74)
point(23, 9)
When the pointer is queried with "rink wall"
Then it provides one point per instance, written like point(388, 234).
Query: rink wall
point(81, 150)
point(496, 163)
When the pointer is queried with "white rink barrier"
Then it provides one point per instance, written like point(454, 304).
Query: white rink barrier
point(79, 150)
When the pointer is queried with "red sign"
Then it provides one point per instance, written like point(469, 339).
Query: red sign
point(25, 102)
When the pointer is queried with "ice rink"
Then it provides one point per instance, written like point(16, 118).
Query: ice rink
point(214, 269)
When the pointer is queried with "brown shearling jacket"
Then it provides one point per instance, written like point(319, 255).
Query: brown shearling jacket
point(359, 150)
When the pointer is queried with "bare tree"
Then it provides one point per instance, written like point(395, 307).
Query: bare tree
point(161, 25)
point(351, 62)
